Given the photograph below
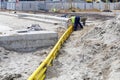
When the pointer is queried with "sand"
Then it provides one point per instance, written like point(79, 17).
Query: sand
point(90, 54)
point(18, 65)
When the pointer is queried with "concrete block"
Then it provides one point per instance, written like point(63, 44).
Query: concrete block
point(4, 29)
point(28, 41)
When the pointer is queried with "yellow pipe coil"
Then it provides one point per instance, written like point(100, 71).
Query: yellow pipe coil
point(39, 73)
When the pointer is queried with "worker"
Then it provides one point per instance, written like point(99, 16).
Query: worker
point(76, 22)
point(54, 10)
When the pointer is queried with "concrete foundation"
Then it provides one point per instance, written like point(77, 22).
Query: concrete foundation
point(4, 29)
point(28, 41)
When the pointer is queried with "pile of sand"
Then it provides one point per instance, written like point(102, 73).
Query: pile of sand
point(91, 56)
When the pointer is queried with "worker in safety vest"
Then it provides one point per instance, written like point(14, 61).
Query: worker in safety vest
point(54, 10)
point(76, 22)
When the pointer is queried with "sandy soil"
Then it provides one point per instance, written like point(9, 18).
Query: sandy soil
point(87, 55)
point(90, 54)
point(18, 65)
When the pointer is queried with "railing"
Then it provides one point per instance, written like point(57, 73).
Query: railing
point(39, 73)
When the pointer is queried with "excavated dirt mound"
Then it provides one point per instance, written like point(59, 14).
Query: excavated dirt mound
point(90, 54)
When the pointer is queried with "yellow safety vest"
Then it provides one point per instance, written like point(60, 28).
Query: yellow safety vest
point(73, 19)
point(54, 10)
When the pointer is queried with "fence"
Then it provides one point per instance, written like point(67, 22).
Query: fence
point(42, 5)
point(3, 5)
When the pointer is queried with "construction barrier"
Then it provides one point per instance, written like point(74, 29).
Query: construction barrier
point(50, 5)
point(39, 73)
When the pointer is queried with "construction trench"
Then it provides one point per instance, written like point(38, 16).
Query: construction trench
point(88, 54)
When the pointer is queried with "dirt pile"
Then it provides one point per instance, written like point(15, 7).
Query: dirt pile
point(91, 56)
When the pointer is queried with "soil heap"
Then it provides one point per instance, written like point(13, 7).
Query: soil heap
point(92, 56)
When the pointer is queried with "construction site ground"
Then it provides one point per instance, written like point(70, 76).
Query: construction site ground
point(19, 65)
point(92, 53)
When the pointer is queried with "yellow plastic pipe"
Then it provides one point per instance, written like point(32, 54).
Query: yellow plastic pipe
point(50, 57)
